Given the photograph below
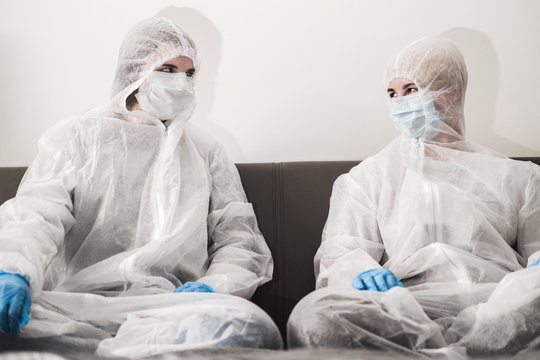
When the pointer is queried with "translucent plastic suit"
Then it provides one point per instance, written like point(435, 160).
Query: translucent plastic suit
point(455, 222)
point(118, 210)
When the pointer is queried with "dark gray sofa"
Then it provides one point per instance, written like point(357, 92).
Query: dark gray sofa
point(291, 203)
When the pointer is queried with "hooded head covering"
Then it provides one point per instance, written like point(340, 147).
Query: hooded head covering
point(435, 65)
point(147, 45)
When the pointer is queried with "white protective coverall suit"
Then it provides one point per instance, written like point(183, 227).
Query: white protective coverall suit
point(455, 222)
point(117, 210)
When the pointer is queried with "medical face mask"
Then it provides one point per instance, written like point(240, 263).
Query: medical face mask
point(412, 113)
point(166, 94)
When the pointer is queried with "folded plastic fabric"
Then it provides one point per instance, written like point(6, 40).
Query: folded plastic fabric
point(432, 319)
point(139, 326)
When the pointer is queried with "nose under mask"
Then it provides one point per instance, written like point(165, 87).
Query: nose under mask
point(166, 95)
point(413, 114)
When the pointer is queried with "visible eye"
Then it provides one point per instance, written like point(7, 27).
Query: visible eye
point(392, 94)
point(190, 72)
point(165, 68)
point(411, 90)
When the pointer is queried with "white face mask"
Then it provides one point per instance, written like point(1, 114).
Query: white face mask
point(412, 113)
point(166, 94)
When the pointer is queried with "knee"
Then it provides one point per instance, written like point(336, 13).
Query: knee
point(251, 327)
point(347, 318)
point(313, 319)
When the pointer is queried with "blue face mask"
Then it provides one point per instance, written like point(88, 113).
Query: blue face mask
point(412, 113)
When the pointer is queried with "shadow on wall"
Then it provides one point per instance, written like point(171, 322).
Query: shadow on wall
point(481, 98)
point(209, 44)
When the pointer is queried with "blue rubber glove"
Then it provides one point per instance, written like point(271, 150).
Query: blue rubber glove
point(14, 302)
point(193, 286)
point(537, 262)
point(376, 279)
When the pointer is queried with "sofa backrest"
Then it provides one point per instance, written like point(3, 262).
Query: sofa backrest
point(291, 201)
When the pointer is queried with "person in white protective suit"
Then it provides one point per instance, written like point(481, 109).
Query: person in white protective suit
point(430, 245)
point(130, 234)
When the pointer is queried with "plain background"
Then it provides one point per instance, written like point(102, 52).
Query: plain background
point(281, 80)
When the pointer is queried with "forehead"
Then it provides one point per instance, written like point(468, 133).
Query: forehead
point(398, 83)
point(180, 62)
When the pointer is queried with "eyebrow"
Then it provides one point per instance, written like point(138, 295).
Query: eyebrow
point(404, 87)
point(170, 65)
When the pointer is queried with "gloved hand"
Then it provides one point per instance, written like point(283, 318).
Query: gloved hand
point(376, 279)
point(14, 302)
point(193, 286)
point(537, 262)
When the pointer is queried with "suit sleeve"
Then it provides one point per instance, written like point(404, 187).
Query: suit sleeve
point(240, 260)
point(33, 224)
point(351, 242)
point(528, 234)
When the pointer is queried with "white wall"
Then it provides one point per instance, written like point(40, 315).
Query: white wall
point(281, 80)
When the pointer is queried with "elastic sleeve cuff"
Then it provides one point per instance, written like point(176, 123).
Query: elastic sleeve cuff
point(15, 263)
point(533, 258)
